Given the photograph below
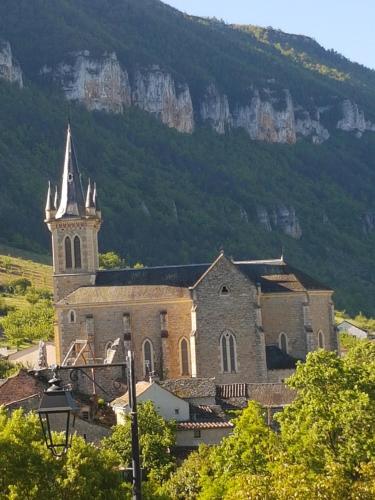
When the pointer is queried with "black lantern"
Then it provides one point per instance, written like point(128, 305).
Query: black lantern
point(57, 412)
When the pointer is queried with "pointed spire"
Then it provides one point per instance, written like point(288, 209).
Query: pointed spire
point(95, 198)
point(89, 197)
point(72, 202)
point(56, 198)
point(49, 202)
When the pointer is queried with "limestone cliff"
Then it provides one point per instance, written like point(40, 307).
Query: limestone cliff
point(99, 84)
point(268, 115)
point(10, 69)
point(264, 122)
point(353, 119)
point(283, 218)
point(308, 126)
point(215, 109)
point(156, 92)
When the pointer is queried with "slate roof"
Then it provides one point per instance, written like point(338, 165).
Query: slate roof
point(279, 360)
point(72, 202)
point(273, 276)
point(179, 276)
point(187, 388)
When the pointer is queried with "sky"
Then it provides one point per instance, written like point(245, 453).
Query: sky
point(347, 26)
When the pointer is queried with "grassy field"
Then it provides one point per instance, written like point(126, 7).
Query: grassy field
point(16, 264)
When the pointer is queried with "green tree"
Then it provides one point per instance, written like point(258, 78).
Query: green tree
point(90, 472)
point(156, 438)
point(27, 469)
point(110, 260)
point(332, 419)
point(186, 482)
point(30, 324)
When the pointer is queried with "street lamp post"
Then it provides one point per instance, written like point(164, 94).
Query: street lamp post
point(137, 480)
point(57, 412)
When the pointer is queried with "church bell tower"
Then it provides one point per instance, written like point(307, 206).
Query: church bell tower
point(74, 222)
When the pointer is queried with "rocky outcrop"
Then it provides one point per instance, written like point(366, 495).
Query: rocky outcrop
point(353, 119)
point(100, 84)
point(156, 92)
point(10, 69)
point(215, 110)
point(368, 223)
point(311, 127)
point(263, 122)
point(283, 218)
point(269, 116)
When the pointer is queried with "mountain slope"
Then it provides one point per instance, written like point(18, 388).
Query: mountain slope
point(171, 197)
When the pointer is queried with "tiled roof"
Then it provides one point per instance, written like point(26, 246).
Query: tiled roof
point(273, 276)
point(207, 413)
point(204, 425)
point(191, 387)
point(271, 395)
point(20, 387)
point(268, 395)
point(278, 359)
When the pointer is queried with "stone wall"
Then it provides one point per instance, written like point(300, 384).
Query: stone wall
point(277, 376)
point(323, 319)
point(234, 312)
point(283, 312)
point(208, 437)
point(144, 305)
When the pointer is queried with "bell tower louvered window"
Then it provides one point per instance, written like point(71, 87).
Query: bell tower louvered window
point(68, 253)
point(77, 253)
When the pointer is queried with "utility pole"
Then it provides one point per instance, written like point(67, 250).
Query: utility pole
point(137, 493)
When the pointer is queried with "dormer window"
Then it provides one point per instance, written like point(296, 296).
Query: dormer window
point(224, 290)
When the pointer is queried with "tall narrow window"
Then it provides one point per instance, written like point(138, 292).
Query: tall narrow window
point(228, 352)
point(77, 253)
point(320, 339)
point(68, 253)
point(148, 358)
point(184, 357)
point(283, 342)
point(72, 316)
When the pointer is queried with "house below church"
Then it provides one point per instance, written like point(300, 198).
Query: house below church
point(235, 321)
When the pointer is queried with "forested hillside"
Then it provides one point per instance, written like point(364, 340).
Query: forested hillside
point(305, 187)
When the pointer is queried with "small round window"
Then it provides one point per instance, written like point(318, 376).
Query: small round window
point(70, 177)
point(224, 290)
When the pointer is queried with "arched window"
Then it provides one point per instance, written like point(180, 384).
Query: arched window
point(228, 352)
point(283, 342)
point(224, 290)
point(148, 357)
point(72, 316)
point(320, 339)
point(184, 357)
point(68, 253)
point(77, 253)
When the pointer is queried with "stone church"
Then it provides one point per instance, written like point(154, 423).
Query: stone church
point(237, 322)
